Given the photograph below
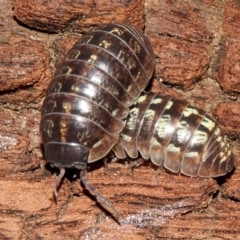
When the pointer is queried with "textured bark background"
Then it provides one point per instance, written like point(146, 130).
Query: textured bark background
point(197, 47)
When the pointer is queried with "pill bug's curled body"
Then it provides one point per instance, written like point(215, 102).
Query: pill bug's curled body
point(177, 135)
point(89, 98)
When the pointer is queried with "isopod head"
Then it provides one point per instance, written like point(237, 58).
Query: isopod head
point(66, 155)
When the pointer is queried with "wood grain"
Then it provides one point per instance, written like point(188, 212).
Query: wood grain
point(196, 46)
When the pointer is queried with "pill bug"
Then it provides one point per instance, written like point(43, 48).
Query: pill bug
point(176, 135)
point(89, 98)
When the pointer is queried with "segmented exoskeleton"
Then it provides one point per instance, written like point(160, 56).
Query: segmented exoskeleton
point(89, 98)
point(173, 133)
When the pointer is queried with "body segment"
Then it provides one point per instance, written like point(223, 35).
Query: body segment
point(89, 97)
point(177, 135)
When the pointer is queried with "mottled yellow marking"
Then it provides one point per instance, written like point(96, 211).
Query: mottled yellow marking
point(106, 104)
point(135, 46)
point(92, 59)
point(89, 39)
point(189, 110)
point(217, 131)
point(219, 139)
point(66, 106)
point(150, 116)
point(229, 153)
point(183, 131)
point(221, 154)
point(121, 55)
point(131, 123)
point(172, 148)
point(90, 90)
point(97, 144)
point(58, 87)
point(156, 147)
point(69, 70)
point(164, 126)
point(137, 75)
point(49, 127)
point(154, 141)
point(156, 100)
point(75, 88)
point(105, 44)
point(191, 154)
point(78, 53)
point(150, 113)
point(131, 63)
point(141, 99)
point(126, 138)
point(53, 104)
point(115, 112)
point(223, 159)
point(169, 104)
point(134, 111)
point(208, 123)
point(199, 138)
point(117, 30)
point(84, 136)
point(222, 144)
point(130, 87)
point(63, 130)
point(115, 91)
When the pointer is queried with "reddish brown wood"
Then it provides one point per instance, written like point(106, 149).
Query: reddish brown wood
point(183, 53)
point(228, 69)
point(227, 114)
point(74, 16)
point(196, 45)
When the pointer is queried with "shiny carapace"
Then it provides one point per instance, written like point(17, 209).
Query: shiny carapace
point(177, 135)
point(89, 98)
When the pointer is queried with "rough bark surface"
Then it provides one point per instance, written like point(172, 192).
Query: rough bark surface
point(196, 44)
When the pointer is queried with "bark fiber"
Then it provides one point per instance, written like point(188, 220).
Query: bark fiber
point(196, 44)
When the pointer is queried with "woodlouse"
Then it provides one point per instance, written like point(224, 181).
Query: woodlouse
point(89, 97)
point(177, 135)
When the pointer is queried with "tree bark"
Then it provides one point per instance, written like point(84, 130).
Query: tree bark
point(196, 44)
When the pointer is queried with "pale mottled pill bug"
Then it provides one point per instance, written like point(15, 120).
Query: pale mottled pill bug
point(177, 135)
point(89, 97)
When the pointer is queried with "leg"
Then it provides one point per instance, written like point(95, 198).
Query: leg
point(157, 173)
point(159, 170)
point(111, 156)
point(103, 201)
point(136, 163)
point(105, 159)
point(57, 181)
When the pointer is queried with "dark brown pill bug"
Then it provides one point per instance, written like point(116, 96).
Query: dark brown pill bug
point(89, 98)
point(176, 135)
